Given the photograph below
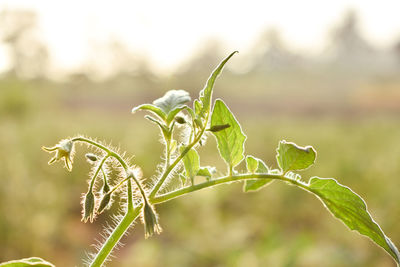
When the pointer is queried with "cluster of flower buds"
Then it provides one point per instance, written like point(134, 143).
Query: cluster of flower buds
point(95, 203)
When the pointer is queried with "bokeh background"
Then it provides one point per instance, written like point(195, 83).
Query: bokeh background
point(321, 73)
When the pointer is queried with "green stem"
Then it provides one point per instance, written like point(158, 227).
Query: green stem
point(116, 235)
point(131, 213)
point(223, 180)
point(176, 161)
point(168, 152)
point(106, 149)
point(97, 172)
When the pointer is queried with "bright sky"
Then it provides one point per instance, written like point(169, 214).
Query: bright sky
point(168, 31)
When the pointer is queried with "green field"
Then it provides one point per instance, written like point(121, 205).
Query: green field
point(278, 226)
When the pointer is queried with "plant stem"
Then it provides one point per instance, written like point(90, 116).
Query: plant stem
point(131, 213)
point(176, 161)
point(223, 180)
point(116, 235)
point(97, 172)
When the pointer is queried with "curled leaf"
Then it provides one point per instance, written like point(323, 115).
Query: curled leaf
point(293, 157)
point(256, 184)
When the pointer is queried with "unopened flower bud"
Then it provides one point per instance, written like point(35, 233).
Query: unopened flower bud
point(217, 128)
point(104, 203)
point(150, 220)
point(180, 120)
point(88, 213)
point(106, 187)
point(91, 157)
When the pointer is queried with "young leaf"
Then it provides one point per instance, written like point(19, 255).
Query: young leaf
point(206, 93)
point(171, 100)
point(256, 184)
point(230, 140)
point(156, 110)
point(33, 261)
point(251, 164)
point(292, 157)
point(351, 209)
point(198, 107)
point(191, 161)
point(167, 106)
point(163, 128)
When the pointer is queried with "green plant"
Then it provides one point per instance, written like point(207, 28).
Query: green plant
point(138, 196)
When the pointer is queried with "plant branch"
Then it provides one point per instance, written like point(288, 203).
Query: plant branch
point(97, 171)
point(224, 180)
point(172, 166)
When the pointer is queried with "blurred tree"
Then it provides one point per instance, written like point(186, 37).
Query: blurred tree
point(29, 55)
point(193, 72)
point(396, 50)
point(207, 55)
point(348, 47)
point(270, 53)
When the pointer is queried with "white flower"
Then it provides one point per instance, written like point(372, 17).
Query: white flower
point(64, 150)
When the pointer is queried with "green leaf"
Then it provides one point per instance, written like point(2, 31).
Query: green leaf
point(292, 157)
point(351, 209)
point(198, 107)
point(191, 161)
point(172, 114)
point(251, 164)
point(152, 108)
point(256, 184)
point(167, 106)
point(33, 261)
point(231, 140)
point(206, 93)
point(163, 128)
point(171, 100)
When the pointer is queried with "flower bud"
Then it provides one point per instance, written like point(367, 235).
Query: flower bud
point(180, 120)
point(150, 220)
point(217, 128)
point(106, 187)
point(91, 157)
point(88, 213)
point(104, 203)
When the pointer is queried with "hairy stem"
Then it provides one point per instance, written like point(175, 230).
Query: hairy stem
point(116, 235)
point(131, 213)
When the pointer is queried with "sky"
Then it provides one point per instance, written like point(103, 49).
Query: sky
point(169, 31)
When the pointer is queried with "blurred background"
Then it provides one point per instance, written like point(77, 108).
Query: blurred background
point(321, 73)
